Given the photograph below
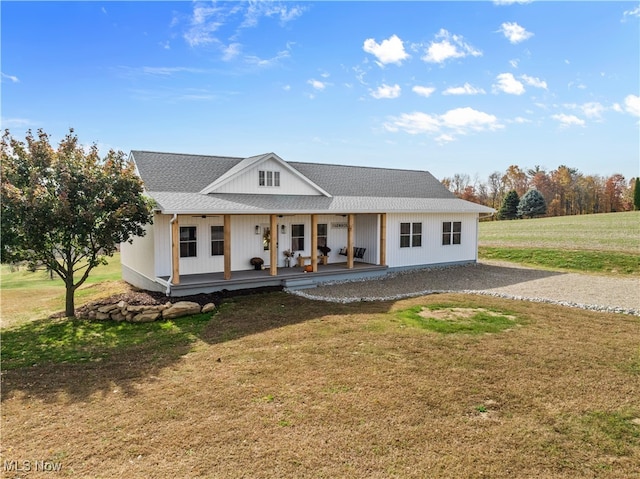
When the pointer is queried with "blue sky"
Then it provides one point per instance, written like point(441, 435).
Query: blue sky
point(448, 87)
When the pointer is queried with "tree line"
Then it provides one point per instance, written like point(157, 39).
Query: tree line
point(565, 190)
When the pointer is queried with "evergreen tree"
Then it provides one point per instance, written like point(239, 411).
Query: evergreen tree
point(509, 208)
point(532, 204)
point(636, 194)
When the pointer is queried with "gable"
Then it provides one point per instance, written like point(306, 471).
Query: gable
point(264, 175)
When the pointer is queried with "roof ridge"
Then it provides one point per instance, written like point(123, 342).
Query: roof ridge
point(190, 154)
point(357, 166)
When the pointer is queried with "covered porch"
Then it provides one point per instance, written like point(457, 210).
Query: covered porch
point(292, 278)
point(267, 237)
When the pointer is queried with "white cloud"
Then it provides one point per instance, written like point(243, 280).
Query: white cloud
point(11, 78)
point(445, 127)
point(386, 91)
point(287, 88)
point(521, 120)
point(205, 20)
point(208, 19)
point(448, 46)
point(390, 50)
point(317, 85)
point(508, 84)
point(466, 89)
point(617, 107)
point(414, 123)
point(267, 62)
point(231, 51)
point(15, 123)
point(514, 32)
point(593, 109)
point(631, 13)
point(281, 11)
point(514, 63)
point(425, 91)
point(568, 120)
point(534, 82)
point(462, 119)
point(632, 105)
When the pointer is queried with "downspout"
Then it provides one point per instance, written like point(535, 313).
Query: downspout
point(175, 217)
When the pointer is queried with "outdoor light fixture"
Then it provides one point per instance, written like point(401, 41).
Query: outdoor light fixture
point(257, 229)
point(283, 229)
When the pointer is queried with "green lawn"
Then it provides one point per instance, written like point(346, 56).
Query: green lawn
point(30, 295)
point(604, 243)
point(618, 232)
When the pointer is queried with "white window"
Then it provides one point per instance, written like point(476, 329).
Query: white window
point(451, 232)
point(410, 235)
point(217, 240)
point(297, 237)
point(268, 178)
point(188, 242)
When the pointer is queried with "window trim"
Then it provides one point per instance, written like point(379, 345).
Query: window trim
point(451, 233)
point(218, 241)
point(269, 178)
point(295, 238)
point(324, 236)
point(188, 242)
point(412, 238)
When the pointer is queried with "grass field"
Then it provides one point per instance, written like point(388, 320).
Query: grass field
point(604, 243)
point(25, 295)
point(274, 385)
point(619, 232)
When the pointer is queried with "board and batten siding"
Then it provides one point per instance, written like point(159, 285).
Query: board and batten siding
point(138, 255)
point(247, 182)
point(432, 250)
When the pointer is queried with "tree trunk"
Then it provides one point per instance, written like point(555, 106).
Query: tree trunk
point(70, 310)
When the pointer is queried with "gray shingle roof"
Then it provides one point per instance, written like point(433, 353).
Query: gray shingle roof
point(175, 180)
point(178, 172)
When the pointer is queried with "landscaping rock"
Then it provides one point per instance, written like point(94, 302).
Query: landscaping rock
point(181, 308)
point(146, 316)
point(107, 308)
point(208, 308)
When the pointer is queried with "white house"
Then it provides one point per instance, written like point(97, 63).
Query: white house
point(214, 214)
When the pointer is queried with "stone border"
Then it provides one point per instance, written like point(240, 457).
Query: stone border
point(122, 311)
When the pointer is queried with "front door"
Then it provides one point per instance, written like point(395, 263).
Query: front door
point(266, 244)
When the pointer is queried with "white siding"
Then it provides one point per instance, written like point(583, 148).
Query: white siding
point(432, 250)
point(247, 182)
point(367, 235)
point(138, 255)
point(245, 243)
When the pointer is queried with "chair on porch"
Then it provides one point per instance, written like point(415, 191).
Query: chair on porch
point(358, 253)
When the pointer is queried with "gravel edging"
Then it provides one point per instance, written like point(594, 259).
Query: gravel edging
point(496, 279)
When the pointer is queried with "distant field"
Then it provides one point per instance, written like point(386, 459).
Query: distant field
point(27, 295)
point(619, 232)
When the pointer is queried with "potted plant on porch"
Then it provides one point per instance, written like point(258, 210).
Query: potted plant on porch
point(257, 263)
point(288, 254)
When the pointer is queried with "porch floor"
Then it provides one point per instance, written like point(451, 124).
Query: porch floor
point(293, 277)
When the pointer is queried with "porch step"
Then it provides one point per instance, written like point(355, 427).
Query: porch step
point(297, 284)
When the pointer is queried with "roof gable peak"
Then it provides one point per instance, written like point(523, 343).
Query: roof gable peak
point(255, 161)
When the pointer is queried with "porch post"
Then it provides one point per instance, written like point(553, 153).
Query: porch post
point(314, 243)
point(175, 251)
point(350, 221)
point(273, 271)
point(383, 239)
point(227, 246)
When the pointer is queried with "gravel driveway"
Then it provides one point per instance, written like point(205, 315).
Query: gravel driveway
point(587, 291)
